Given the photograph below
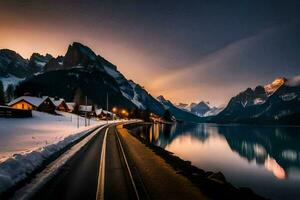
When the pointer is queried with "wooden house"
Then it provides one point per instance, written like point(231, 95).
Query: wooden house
point(71, 106)
point(103, 114)
point(43, 104)
point(60, 104)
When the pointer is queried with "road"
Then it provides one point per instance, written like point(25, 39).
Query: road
point(115, 165)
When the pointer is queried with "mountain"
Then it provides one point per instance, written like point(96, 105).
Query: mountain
point(214, 111)
point(178, 113)
point(83, 73)
point(14, 68)
point(11, 63)
point(278, 102)
point(201, 109)
point(37, 62)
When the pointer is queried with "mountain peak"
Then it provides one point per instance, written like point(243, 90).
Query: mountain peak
point(161, 98)
point(272, 87)
point(79, 54)
point(10, 54)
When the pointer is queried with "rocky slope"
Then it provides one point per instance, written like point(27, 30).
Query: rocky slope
point(278, 102)
point(81, 72)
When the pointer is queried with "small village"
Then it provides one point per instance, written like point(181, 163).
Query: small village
point(24, 105)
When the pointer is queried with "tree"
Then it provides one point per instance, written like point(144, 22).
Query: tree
point(2, 96)
point(10, 92)
point(167, 116)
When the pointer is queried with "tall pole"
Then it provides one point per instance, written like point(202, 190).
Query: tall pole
point(78, 119)
point(85, 111)
point(107, 107)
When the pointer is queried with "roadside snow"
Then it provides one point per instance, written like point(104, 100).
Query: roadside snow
point(23, 135)
point(33, 140)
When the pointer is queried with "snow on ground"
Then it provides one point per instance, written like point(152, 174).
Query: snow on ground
point(20, 135)
point(26, 143)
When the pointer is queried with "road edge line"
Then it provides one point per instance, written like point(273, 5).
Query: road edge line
point(101, 176)
point(127, 166)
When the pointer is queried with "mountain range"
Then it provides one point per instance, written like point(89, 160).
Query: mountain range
point(201, 109)
point(80, 72)
point(275, 103)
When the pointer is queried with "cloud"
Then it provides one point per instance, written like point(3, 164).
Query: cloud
point(294, 81)
point(254, 60)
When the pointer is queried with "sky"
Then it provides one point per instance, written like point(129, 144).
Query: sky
point(185, 50)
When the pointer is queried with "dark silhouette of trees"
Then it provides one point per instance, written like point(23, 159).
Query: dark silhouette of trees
point(10, 93)
point(2, 95)
point(167, 116)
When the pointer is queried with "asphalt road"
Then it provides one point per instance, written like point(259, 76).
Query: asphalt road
point(79, 178)
point(115, 165)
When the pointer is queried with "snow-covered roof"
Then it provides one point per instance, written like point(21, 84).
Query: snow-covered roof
point(99, 111)
point(35, 101)
point(85, 108)
point(70, 105)
point(57, 102)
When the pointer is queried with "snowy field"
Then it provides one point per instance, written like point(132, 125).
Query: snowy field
point(23, 135)
point(26, 143)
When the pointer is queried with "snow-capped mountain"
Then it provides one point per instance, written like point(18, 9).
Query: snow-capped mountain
point(214, 111)
point(278, 102)
point(11, 63)
point(82, 69)
point(38, 62)
point(201, 109)
point(272, 87)
point(178, 113)
point(14, 68)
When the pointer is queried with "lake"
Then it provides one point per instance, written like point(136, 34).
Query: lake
point(263, 158)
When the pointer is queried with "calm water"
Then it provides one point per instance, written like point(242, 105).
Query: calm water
point(263, 158)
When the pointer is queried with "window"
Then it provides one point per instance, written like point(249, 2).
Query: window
point(23, 106)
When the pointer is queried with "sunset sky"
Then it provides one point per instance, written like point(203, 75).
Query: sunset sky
point(186, 50)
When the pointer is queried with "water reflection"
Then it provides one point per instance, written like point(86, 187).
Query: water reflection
point(214, 147)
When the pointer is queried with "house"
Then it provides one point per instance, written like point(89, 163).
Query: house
point(43, 104)
point(60, 104)
point(71, 106)
point(103, 114)
point(9, 112)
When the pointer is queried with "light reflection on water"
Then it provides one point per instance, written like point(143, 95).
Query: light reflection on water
point(264, 158)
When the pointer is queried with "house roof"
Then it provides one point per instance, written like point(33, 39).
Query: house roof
point(99, 111)
point(70, 105)
point(35, 101)
point(57, 102)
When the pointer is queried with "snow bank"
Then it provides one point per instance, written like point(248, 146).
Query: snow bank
point(19, 166)
point(45, 126)
point(21, 135)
